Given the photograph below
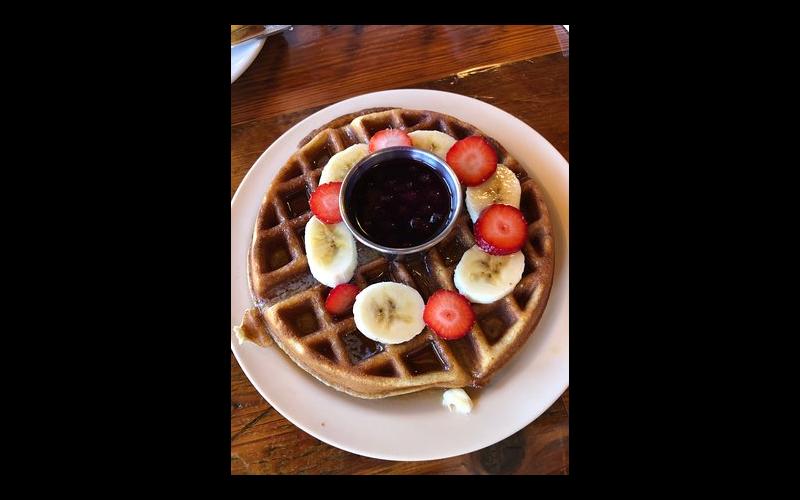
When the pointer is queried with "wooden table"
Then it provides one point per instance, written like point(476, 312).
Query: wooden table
point(521, 69)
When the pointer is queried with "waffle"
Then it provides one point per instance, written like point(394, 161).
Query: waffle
point(289, 302)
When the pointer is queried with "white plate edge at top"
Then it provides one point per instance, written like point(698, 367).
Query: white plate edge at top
point(251, 49)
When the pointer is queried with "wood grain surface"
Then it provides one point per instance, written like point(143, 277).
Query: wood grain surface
point(315, 65)
point(521, 69)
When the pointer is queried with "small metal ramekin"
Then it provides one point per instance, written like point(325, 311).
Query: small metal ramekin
point(393, 153)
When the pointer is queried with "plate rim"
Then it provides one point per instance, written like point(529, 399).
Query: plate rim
point(308, 122)
point(257, 44)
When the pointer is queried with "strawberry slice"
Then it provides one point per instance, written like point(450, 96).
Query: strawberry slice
point(449, 314)
point(473, 160)
point(500, 230)
point(340, 300)
point(324, 202)
point(388, 138)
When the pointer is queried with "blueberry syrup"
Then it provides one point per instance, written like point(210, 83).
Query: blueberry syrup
point(401, 203)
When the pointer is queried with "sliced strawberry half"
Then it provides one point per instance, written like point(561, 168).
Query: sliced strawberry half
point(449, 314)
point(340, 300)
point(473, 160)
point(324, 202)
point(500, 230)
point(388, 138)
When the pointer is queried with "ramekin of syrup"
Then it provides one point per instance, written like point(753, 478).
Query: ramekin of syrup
point(400, 200)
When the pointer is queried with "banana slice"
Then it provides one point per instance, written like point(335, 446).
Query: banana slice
point(331, 252)
point(341, 163)
point(502, 187)
point(434, 141)
point(484, 278)
point(389, 312)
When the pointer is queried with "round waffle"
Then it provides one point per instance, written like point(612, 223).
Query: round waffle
point(289, 302)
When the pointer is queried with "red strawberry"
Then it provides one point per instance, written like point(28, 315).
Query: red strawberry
point(340, 300)
point(473, 160)
point(388, 138)
point(449, 314)
point(500, 230)
point(324, 202)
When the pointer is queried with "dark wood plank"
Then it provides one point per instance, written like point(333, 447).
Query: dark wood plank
point(315, 65)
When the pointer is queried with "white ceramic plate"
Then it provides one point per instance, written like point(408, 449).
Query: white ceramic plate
point(242, 56)
point(415, 426)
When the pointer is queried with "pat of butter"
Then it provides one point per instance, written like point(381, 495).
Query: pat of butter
point(457, 400)
point(239, 334)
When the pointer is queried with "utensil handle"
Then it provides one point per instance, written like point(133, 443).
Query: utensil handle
point(267, 30)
